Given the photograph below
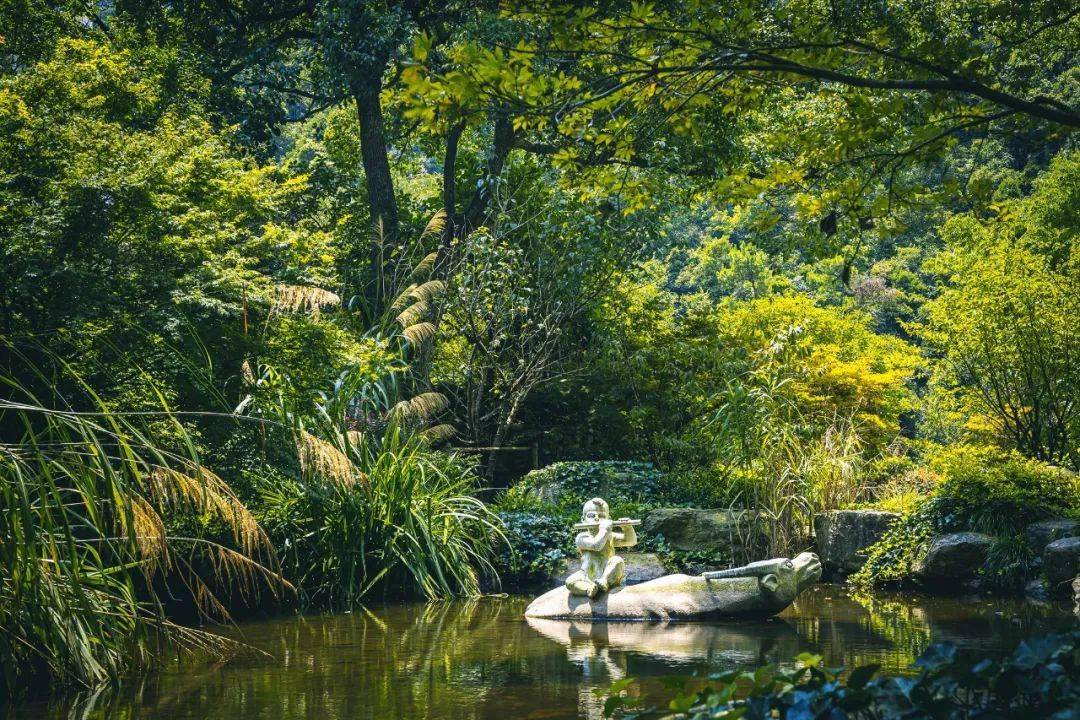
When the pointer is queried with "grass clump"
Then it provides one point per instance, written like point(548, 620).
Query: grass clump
point(87, 507)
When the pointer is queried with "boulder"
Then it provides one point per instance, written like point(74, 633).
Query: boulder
point(1061, 561)
point(842, 537)
point(1044, 532)
point(694, 529)
point(1037, 590)
point(954, 558)
point(640, 567)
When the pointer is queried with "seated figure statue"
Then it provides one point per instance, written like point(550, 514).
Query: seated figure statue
point(601, 569)
point(596, 591)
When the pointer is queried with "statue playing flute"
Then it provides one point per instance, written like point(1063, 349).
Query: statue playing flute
point(601, 569)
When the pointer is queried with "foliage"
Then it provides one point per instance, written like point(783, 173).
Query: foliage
point(1000, 492)
point(374, 504)
point(88, 500)
point(503, 332)
point(682, 364)
point(569, 484)
point(895, 556)
point(1005, 326)
point(824, 364)
point(775, 250)
point(902, 490)
point(1010, 563)
point(981, 489)
point(807, 107)
point(1038, 679)
point(386, 514)
point(536, 545)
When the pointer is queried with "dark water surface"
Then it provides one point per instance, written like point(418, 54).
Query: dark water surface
point(480, 660)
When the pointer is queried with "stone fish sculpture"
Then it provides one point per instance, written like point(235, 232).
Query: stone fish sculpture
point(760, 589)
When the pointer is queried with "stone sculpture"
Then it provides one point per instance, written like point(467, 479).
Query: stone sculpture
point(759, 589)
point(601, 569)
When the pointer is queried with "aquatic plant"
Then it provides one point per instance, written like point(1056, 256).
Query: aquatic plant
point(378, 508)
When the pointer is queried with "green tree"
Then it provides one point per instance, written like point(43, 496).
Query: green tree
point(140, 241)
point(1005, 327)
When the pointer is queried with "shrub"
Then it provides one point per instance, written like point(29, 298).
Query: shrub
point(710, 486)
point(981, 489)
point(1039, 679)
point(567, 485)
point(903, 492)
point(88, 505)
point(1000, 492)
point(536, 545)
point(386, 512)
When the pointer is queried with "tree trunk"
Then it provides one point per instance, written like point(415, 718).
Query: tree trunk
point(501, 145)
point(502, 431)
point(380, 185)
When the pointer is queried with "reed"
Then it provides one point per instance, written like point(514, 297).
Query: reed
point(84, 547)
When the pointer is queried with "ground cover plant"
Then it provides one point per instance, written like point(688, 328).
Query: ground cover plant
point(981, 489)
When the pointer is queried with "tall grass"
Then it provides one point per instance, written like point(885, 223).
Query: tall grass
point(375, 506)
point(789, 467)
point(84, 550)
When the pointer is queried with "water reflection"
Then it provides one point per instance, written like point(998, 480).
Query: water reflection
point(605, 651)
point(481, 660)
point(674, 644)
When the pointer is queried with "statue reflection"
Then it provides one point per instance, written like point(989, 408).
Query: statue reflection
point(610, 651)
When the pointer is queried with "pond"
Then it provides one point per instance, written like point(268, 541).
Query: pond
point(481, 660)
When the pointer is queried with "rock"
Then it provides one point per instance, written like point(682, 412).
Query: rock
point(686, 597)
point(843, 535)
point(694, 529)
point(954, 558)
point(1037, 589)
point(1044, 532)
point(1076, 594)
point(640, 567)
point(1061, 561)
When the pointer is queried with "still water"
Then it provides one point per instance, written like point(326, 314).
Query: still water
point(480, 660)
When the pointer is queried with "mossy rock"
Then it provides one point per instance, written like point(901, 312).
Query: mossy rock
point(954, 557)
point(1061, 562)
point(1042, 533)
point(842, 537)
point(696, 530)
